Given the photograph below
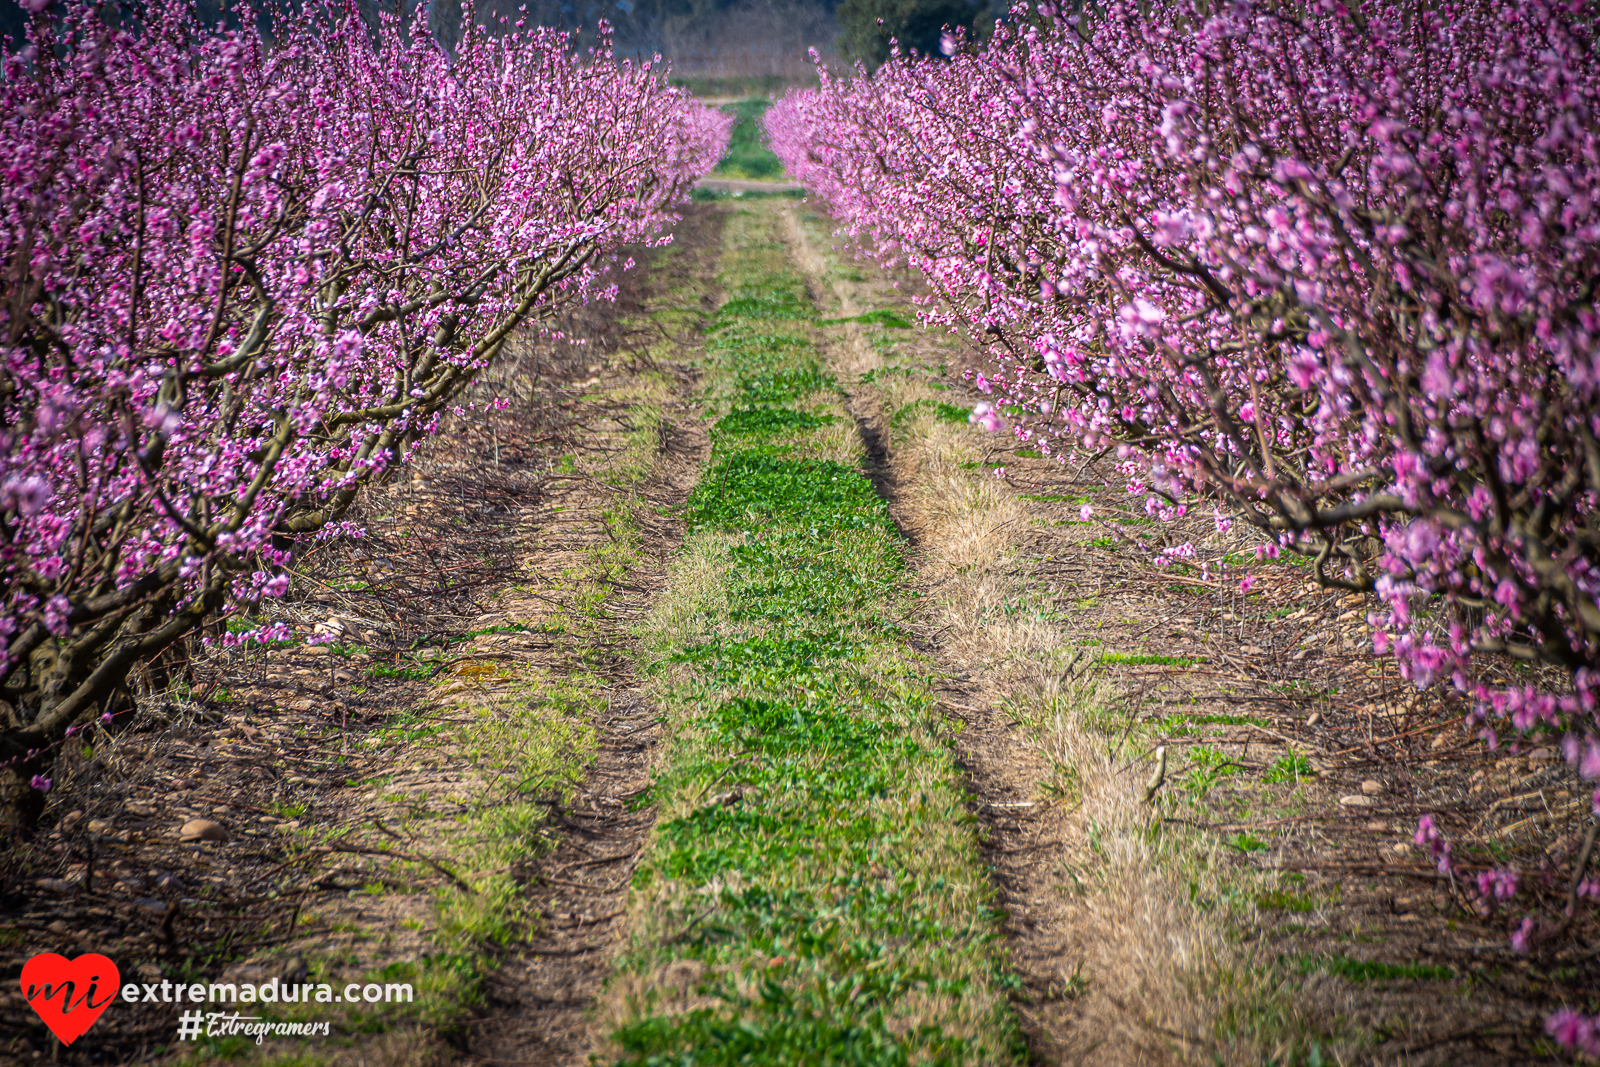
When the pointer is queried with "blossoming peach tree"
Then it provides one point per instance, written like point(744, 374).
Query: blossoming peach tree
point(241, 273)
point(1331, 268)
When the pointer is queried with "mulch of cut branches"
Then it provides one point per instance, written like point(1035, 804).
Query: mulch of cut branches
point(1308, 758)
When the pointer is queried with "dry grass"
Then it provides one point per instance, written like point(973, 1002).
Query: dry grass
point(1157, 974)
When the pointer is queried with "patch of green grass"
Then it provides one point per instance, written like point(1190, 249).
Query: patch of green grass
point(1139, 659)
point(702, 195)
point(1285, 900)
point(814, 857)
point(1055, 498)
point(412, 672)
point(1365, 971)
point(748, 155)
point(749, 488)
point(1207, 767)
point(780, 386)
point(940, 410)
point(1290, 769)
point(767, 421)
point(771, 306)
point(890, 317)
point(1248, 842)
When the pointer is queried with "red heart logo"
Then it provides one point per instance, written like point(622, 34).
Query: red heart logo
point(69, 995)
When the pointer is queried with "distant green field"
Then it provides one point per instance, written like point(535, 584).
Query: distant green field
point(758, 85)
point(748, 156)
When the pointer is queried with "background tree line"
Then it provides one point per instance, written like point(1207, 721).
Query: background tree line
point(692, 31)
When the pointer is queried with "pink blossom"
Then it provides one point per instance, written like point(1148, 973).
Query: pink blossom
point(1522, 937)
point(1575, 1032)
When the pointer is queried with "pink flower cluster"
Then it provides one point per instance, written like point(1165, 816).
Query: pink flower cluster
point(240, 274)
point(1580, 1033)
point(1332, 269)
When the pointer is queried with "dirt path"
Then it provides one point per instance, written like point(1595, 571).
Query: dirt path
point(542, 1000)
point(541, 1005)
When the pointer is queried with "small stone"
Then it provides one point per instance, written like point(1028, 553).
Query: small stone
point(99, 826)
point(313, 783)
point(142, 808)
point(1357, 801)
point(1401, 848)
point(292, 824)
point(1371, 788)
point(58, 927)
point(1378, 827)
point(54, 885)
point(1314, 718)
point(341, 628)
point(151, 904)
point(315, 650)
point(132, 884)
point(1541, 755)
point(1439, 742)
point(250, 972)
point(196, 830)
point(70, 821)
point(169, 881)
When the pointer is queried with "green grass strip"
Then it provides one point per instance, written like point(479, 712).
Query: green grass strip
point(813, 893)
point(748, 155)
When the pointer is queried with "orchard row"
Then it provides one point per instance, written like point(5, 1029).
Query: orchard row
point(1329, 270)
point(246, 269)
point(1332, 275)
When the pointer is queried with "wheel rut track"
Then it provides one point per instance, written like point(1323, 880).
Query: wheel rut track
point(539, 1009)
